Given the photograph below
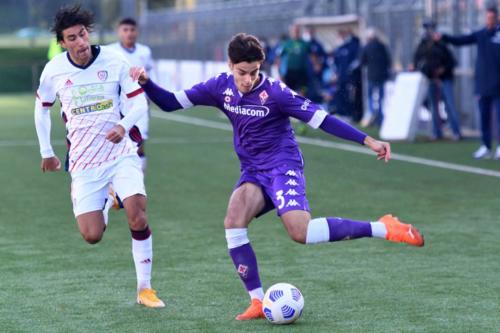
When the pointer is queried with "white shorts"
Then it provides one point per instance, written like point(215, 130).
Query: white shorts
point(90, 188)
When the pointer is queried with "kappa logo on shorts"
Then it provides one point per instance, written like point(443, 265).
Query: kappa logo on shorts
point(292, 192)
point(291, 173)
point(292, 203)
point(243, 270)
point(291, 182)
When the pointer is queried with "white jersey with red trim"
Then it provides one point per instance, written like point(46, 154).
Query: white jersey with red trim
point(90, 104)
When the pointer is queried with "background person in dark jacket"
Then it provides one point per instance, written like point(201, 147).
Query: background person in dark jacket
point(436, 62)
point(487, 76)
point(377, 60)
point(348, 98)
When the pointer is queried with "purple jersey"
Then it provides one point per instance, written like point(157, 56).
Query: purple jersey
point(262, 134)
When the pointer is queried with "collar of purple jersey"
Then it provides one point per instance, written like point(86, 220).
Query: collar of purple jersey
point(261, 82)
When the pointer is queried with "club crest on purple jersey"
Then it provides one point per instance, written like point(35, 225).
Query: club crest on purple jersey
point(102, 75)
point(263, 97)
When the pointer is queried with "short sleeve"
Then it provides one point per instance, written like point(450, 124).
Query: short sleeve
point(202, 93)
point(46, 91)
point(294, 105)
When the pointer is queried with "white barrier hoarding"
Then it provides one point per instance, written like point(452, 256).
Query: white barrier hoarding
point(401, 115)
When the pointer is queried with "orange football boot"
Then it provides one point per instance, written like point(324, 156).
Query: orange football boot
point(254, 311)
point(401, 232)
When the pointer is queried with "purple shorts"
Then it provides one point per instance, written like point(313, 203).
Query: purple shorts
point(284, 188)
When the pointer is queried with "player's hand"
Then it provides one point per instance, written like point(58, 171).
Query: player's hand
point(116, 134)
point(383, 149)
point(50, 164)
point(138, 74)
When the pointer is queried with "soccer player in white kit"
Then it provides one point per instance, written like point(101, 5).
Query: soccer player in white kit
point(138, 55)
point(87, 80)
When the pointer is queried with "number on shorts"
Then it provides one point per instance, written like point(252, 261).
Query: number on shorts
point(280, 198)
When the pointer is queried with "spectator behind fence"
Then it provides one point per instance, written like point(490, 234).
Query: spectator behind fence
point(318, 64)
point(487, 77)
point(436, 62)
point(375, 56)
point(346, 60)
point(295, 70)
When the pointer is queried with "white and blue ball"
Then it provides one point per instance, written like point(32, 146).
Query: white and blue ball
point(283, 303)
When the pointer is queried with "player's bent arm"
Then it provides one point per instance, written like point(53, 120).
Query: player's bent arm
point(166, 100)
point(138, 106)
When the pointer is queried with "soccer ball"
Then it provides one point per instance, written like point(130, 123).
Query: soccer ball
point(283, 303)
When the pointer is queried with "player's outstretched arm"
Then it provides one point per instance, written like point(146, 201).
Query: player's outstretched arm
point(382, 148)
point(165, 99)
point(343, 130)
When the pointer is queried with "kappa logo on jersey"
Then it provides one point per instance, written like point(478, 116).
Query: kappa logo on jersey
point(102, 75)
point(68, 83)
point(291, 182)
point(292, 192)
point(243, 270)
point(292, 203)
point(228, 92)
point(263, 97)
point(291, 173)
point(284, 86)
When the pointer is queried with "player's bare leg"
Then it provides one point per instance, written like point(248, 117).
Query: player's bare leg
point(91, 226)
point(245, 203)
point(142, 249)
point(303, 230)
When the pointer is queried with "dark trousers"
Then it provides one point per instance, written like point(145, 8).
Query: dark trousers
point(485, 107)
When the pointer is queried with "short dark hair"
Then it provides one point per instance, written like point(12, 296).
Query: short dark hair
point(128, 21)
point(493, 9)
point(69, 16)
point(245, 48)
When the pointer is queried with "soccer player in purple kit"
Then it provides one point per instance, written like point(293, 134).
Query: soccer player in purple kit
point(272, 175)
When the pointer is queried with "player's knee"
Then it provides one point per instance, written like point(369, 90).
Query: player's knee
point(138, 221)
point(92, 237)
point(297, 236)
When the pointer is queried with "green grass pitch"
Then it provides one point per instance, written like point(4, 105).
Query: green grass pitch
point(52, 281)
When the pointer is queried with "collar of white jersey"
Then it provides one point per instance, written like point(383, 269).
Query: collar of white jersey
point(94, 49)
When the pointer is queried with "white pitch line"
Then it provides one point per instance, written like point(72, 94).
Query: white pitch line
point(340, 146)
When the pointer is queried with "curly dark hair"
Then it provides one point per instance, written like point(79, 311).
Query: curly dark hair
point(245, 48)
point(69, 16)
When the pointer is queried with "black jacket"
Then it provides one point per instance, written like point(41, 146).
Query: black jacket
point(434, 59)
point(377, 60)
point(487, 76)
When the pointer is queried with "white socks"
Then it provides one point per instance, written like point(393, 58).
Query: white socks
point(378, 229)
point(318, 231)
point(142, 251)
point(236, 237)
